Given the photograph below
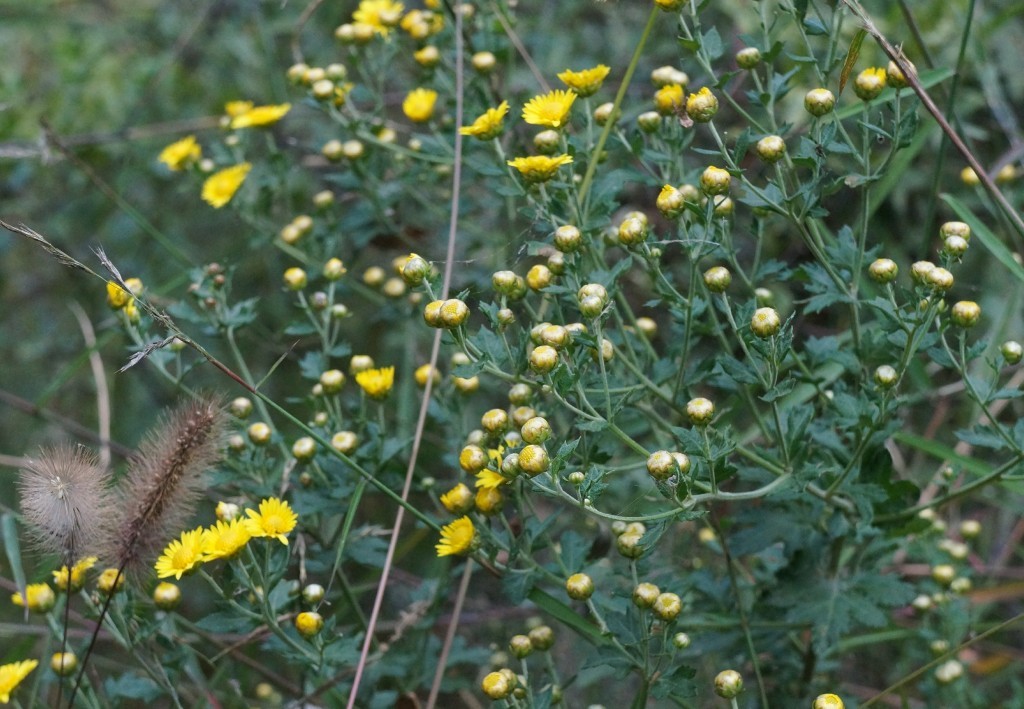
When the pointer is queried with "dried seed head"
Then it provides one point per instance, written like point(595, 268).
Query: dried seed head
point(64, 499)
point(164, 482)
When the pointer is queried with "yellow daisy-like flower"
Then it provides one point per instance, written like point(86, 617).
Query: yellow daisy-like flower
point(381, 15)
point(234, 109)
point(418, 106)
point(11, 675)
point(260, 116)
point(489, 125)
point(77, 574)
point(182, 555)
point(550, 109)
point(668, 98)
point(586, 82)
point(180, 154)
point(275, 519)
point(376, 383)
point(40, 598)
point(117, 297)
point(539, 168)
point(489, 479)
point(225, 539)
point(221, 186)
point(457, 537)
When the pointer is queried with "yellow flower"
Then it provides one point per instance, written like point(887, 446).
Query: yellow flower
point(237, 108)
point(181, 154)
point(457, 537)
point(550, 109)
point(539, 168)
point(225, 539)
point(260, 116)
point(668, 98)
point(586, 82)
point(275, 519)
point(40, 598)
point(221, 186)
point(490, 480)
point(11, 676)
point(458, 500)
point(376, 382)
point(702, 106)
point(418, 106)
point(489, 125)
point(381, 15)
point(77, 573)
point(117, 297)
point(110, 581)
point(181, 556)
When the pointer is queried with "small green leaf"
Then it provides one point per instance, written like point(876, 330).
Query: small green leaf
point(851, 58)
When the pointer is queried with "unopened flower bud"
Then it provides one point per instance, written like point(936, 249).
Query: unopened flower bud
point(765, 322)
point(965, 313)
point(580, 587)
point(700, 411)
point(771, 148)
point(568, 238)
point(748, 58)
point(886, 376)
point(819, 102)
point(869, 83)
point(717, 279)
point(728, 684)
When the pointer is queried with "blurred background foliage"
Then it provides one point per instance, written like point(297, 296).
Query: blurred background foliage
point(115, 81)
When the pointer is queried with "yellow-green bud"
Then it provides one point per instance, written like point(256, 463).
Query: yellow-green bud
point(547, 142)
point(919, 271)
point(484, 62)
point(869, 83)
point(520, 646)
point(940, 279)
point(295, 279)
point(304, 448)
point(353, 149)
point(334, 269)
point(603, 113)
point(344, 442)
point(702, 106)
point(580, 587)
point(568, 238)
point(309, 623)
point(494, 421)
point(543, 359)
point(497, 685)
point(728, 684)
point(539, 277)
point(645, 594)
point(63, 664)
point(536, 430)
point(632, 231)
point(332, 380)
point(649, 121)
point(955, 246)
point(828, 701)
point(771, 148)
point(965, 313)
point(895, 77)
point(765, 322)
point(700, 411)
point(819, 102)
point(717, 279)
point(748, 58)
point(542, 637)
point(166, 596)
point(970, 528)
point(259, 433)
point(715, 181)
point(667, 606)
point(241, 407)
point(533, 460)
point(681, 641)
point(454, 313)
point(886, 376)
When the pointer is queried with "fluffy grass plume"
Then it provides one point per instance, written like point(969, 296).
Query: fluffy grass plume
point(65, 500)
point(163, 483)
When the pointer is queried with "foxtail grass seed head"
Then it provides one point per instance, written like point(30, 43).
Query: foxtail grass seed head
point(65, 501)
point(165, 480)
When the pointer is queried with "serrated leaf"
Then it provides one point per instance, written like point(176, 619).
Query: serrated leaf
point(574, 550)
